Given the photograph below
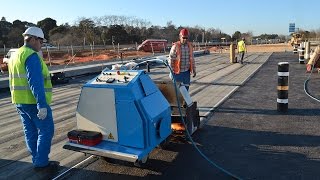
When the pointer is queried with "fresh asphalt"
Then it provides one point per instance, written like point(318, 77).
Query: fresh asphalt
point(246, 136)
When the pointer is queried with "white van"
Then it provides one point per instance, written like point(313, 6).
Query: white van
point(9, 55)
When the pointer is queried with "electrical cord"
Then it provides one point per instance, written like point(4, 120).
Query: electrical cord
point(306, 90)
point(188, 133)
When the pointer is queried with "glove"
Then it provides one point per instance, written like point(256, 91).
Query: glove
point(42, 113)
point(309, 68)
point(194, 74)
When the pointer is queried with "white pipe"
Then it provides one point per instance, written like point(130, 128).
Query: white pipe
point(60, 175)
point(307, 51)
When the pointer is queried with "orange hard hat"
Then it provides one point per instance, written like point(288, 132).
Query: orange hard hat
point(184, 32)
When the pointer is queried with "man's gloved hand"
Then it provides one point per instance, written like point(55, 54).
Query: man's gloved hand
point(42, 113)
point(309, 67)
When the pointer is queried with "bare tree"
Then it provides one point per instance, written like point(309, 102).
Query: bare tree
point(86, 27)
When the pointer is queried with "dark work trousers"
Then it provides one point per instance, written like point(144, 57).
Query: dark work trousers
point(241, 55)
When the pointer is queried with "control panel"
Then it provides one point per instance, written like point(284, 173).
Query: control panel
point(115, 77)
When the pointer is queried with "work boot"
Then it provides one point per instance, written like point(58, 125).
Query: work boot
point(51, 167)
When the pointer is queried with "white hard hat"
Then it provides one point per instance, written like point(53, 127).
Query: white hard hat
point(34, 31)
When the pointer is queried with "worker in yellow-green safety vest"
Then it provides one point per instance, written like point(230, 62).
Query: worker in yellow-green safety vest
point(31, 92)
point(242, 49)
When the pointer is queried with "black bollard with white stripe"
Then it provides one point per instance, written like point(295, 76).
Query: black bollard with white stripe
point(295, 49)
point(301, 55)
point(283, 86)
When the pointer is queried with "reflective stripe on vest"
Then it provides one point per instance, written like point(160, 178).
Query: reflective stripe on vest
point(23, 76)
point(19, 86)
point(27, 88)
point(176, 63)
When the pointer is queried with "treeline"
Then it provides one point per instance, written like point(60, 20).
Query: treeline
point(107, 30)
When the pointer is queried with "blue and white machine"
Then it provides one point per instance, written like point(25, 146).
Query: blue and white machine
point(128, 109)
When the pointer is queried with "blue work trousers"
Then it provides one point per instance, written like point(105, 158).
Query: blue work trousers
point(183, 77)
point(38, 133)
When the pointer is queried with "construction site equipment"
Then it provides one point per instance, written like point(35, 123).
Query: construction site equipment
point(153, 45)
point(190, 112)
point(133, 114)
point(59, 78)
point(128, 109)
point(296, 39)
point(314, 60)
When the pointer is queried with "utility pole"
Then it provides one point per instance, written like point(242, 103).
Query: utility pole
point(202, 37)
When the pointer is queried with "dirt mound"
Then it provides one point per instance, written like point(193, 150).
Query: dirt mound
point(82, 56)
point(255, 48)
point(269, 48)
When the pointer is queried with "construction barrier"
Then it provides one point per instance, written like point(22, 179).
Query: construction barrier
point(283, 86)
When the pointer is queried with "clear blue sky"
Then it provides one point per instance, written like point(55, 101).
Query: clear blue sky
point(257, 16)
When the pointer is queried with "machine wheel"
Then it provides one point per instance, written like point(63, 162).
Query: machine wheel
point(164, 144)
point(110, 160)
point(140, 163)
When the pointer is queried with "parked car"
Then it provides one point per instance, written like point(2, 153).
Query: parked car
point(151, 45)
point(9, 55)
point(11, 52)
point(49, 46)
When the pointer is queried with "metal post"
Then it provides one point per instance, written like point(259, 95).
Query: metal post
point(121, 58)
point(307, 51)
point(152, 48)
point(283, 86)
point(48, 55)
point(164, 48)
point(91, 47)
point(72, 53)
point(118, 47)
point(148, 66)
point(84, 42)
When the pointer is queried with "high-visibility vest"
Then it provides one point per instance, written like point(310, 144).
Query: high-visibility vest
point(19, 86)
point(241, 46)
point(176, 63)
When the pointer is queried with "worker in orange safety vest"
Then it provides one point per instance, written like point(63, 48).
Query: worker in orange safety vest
point(181, 59)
